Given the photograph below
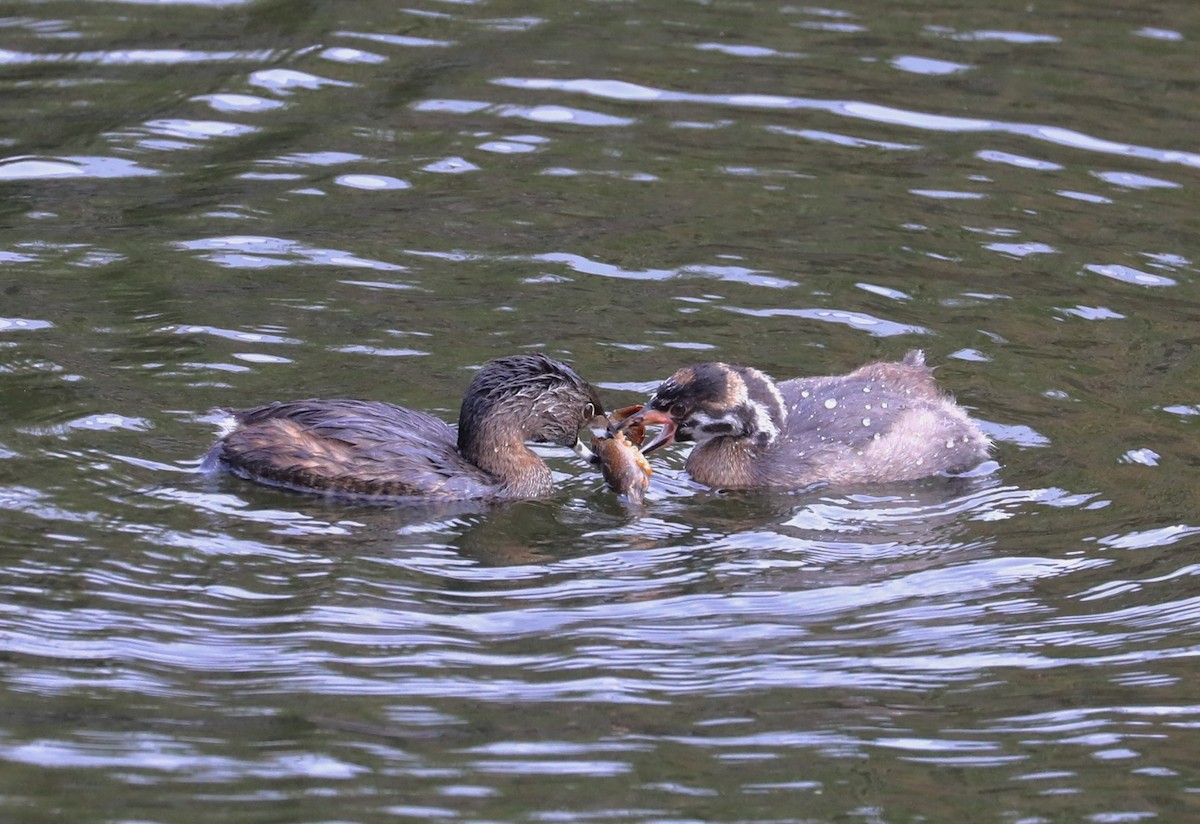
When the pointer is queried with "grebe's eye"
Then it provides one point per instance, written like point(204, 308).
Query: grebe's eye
point(678, 410)
point(589, 411)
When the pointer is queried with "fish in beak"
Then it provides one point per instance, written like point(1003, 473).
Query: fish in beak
point(652, 417)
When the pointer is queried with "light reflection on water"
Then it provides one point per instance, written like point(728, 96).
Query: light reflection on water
point(619, 90)
point(302, 204)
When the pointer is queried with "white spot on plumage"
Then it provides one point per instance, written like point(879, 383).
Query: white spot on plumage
point(866, 421)
point(831, 403)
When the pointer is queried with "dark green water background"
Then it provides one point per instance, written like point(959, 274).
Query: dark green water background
point(207, 205)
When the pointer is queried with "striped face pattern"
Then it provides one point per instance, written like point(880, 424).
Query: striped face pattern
point(716, 400)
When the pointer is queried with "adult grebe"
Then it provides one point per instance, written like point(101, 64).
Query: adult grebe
point(370, 448)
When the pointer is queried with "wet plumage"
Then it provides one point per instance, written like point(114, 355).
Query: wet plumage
point(371, 448)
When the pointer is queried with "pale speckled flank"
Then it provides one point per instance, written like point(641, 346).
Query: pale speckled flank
point(883, 422)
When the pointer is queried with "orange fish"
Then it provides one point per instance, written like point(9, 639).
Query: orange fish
point(625, 468)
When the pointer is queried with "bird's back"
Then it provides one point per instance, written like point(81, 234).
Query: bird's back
point(352, 447)
point(882, 422)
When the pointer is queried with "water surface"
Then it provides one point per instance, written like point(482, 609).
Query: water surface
point(221, 204)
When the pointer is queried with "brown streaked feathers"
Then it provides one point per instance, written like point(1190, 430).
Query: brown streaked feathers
point(371, 448)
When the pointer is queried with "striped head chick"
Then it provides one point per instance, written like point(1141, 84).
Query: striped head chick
point(714, 400)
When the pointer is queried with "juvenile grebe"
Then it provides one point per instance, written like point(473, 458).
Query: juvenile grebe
point(882, 422)
point(379, 449)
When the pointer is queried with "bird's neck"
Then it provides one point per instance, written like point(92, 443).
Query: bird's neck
point(725, 463)
point(500, 451)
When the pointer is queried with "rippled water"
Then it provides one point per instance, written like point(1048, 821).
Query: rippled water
point(225, 203)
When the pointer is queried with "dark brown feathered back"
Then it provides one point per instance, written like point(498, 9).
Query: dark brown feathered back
point(382, 450)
